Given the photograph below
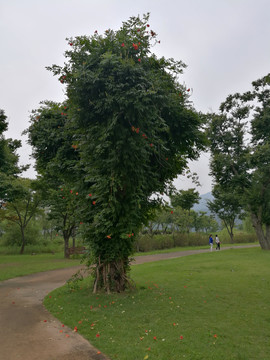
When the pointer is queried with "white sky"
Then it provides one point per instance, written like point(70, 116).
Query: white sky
point(225, 43)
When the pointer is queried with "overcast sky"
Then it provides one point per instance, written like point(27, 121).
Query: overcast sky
point(225, 44)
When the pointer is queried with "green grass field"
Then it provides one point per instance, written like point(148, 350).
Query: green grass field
point(205, 306)
point(14, 265)
point(18, 265)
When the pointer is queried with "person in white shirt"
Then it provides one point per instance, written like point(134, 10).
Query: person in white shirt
point(217, 243)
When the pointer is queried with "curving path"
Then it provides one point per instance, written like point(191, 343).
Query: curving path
point(29, 332)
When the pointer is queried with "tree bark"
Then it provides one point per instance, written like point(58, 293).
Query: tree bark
point(66, 243)
point(263, 236)
point(23, 241)
point(111, 276)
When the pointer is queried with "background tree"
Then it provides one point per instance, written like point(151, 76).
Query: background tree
point(135, 131)
point(58, 164)
point(240, 154)
point(203, 222)
point(185, 198)
point(22, 209)
point(64, 210)
point(227, 206)
point(9, 168)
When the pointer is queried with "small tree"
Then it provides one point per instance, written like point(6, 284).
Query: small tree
point(185, 198)
point(21, 210)
point(227, 206)
point(203, 222)
point(64, 210)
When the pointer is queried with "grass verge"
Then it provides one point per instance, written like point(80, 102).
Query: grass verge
point(207, 306)
point(12, 266)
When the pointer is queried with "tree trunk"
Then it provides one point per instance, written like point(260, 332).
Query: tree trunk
point(66, 244)
point(263, 237)
point(229, 226)
point(73, 238)
point(23, 241)
point(112, 276)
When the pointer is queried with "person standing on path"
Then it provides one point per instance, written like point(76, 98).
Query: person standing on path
point(211, 241)
point(217, 243)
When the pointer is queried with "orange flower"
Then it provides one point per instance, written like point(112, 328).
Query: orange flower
point(75, 329)
point(109, 236)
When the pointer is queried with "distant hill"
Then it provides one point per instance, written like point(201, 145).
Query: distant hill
point(202, 205)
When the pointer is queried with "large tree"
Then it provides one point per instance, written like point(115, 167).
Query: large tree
point(135, 130)
point(240, 147)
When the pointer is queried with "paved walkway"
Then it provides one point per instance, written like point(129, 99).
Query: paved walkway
point(29, 332)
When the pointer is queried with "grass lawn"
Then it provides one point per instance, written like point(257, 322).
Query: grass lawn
point(18, 265)
point(206, 306)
